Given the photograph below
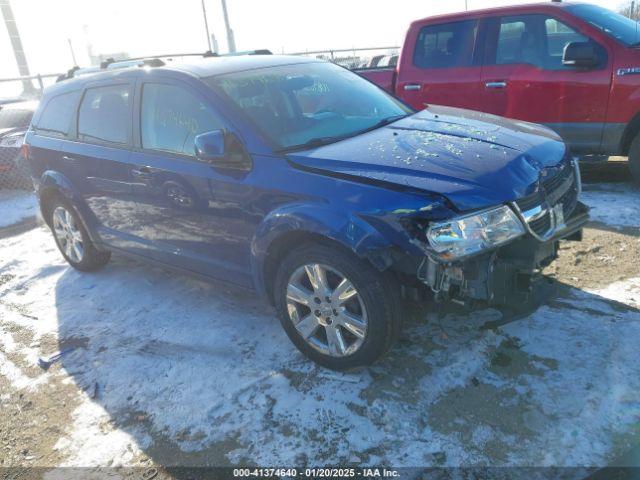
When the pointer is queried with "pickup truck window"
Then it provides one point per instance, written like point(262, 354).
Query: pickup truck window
point(448, 45)
point(613, 24)
point(537, 40)
point(307, 104)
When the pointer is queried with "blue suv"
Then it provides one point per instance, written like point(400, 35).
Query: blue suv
point(306, 183)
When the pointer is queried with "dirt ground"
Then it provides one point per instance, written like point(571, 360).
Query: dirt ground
point(162, 370)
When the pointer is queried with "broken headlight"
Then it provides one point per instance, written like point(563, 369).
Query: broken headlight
point(462, 236)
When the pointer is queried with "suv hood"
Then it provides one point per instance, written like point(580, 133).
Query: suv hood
point(474, 159)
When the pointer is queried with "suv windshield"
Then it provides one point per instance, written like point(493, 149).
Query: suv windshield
point(613, 24)
point(312, 104)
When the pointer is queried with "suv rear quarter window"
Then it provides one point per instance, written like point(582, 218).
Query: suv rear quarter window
point(105, 114)
point(57, 116)
point(448, 45)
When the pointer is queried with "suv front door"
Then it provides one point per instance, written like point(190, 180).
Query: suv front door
point(191, 212)
point(523, 77)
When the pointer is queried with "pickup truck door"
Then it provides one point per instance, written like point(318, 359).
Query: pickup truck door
point(439, 66)
point(523, 78)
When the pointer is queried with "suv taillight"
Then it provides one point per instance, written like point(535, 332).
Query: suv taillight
point(25, 150)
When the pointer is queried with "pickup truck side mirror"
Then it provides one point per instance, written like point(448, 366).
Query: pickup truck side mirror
point(222, 149)
point(581, 55)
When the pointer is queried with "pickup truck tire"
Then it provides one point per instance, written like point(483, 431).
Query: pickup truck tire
point(350, 318)
point(72, 238)
point(634, 158)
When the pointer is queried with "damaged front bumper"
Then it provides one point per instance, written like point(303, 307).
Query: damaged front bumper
point(510, 275)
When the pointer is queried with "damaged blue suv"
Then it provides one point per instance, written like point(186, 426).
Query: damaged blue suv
point(306, 183)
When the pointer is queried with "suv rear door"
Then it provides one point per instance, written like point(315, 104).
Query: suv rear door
point(96, 159)
point(443, 68)
point(523, 77)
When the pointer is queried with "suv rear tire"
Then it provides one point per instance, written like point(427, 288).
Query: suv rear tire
point(72, 238)
point(337, 309)
point(634, 158)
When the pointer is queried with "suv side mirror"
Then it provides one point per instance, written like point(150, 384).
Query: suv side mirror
point(210, 146)
point(222, 149)
point(580, 54)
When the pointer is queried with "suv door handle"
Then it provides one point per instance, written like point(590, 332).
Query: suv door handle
point(412, 86)
point(68, 159)
point(141, 172)
point(501, 84)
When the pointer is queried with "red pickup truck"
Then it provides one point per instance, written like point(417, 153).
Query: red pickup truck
point(573, 67)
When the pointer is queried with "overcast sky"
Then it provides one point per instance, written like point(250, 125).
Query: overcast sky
point(147, 27)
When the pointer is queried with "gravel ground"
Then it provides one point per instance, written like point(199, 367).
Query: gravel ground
point(165, 370)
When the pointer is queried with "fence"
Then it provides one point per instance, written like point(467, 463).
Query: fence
point(18, 99)
point(358, 58)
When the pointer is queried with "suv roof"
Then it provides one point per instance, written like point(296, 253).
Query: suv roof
point(197, 67)
point(496, 11)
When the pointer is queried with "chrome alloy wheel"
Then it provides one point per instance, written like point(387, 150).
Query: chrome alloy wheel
point(326, 310)
point(68, 234)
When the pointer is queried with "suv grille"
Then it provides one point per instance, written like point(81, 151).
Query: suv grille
point(559, 188)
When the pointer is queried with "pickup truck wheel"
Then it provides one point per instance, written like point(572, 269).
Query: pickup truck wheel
point(634, 158)
point(72, 239)
point(337, 309)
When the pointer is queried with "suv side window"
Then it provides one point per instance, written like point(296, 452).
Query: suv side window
point(171, 118)
point(448, 45)
point(537, 40)
point(58, 114)
point(105, 114)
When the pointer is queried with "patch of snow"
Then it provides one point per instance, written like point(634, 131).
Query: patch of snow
point(615, 204)
point(16, 206)
point(207, 369)
point(626, 292)
point(17, 377)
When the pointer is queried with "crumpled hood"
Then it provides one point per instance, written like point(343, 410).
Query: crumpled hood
point(474, 159)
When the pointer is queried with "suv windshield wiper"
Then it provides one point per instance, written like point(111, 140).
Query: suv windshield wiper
point(382, 123)
point(321, 141)
point(313, 142)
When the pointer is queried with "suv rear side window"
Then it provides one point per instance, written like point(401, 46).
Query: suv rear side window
point(172, 117)
point(446, 46)
point(58, 114)
point(537, 40)
point(105, 114)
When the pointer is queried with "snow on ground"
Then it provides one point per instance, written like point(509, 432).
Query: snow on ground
point(16, 206)
point(183, 366)
point(614, 204)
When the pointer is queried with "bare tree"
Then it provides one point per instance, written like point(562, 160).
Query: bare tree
point(630, 9)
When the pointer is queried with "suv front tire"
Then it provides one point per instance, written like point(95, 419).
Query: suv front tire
point(336, 308)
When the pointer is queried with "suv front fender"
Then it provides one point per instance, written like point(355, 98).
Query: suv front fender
point(321, 222)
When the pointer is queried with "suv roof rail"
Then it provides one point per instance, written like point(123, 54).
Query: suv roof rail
point(148, 61)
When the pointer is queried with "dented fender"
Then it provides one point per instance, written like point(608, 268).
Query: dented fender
point(377, 236)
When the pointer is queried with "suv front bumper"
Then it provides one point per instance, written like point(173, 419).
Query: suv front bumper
point(508, 276)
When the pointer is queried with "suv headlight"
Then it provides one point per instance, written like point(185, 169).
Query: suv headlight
point(462, 236)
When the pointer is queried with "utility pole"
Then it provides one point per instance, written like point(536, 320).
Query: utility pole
point(16, 43)
point(466, 5)
point(230, 39)
point(206, 25)
point(73, 54)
